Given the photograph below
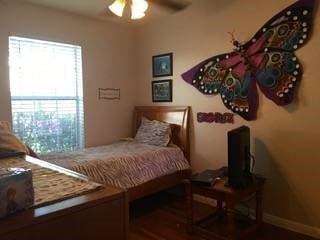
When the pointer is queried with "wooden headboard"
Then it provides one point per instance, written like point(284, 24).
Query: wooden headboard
point(178, 117)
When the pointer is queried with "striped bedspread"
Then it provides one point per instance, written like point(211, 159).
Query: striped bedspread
point(124, 164)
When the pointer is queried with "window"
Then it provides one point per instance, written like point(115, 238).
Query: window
point(46, 94)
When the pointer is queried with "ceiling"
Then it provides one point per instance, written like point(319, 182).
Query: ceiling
point(98, 9)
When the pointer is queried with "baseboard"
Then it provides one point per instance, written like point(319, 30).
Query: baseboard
point(287, 224)
point(274, 220)
point(292, 226)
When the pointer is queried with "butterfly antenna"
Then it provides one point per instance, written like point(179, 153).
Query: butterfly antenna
point(232, 36)
point(233, 39)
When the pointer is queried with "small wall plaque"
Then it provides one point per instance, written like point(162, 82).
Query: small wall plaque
point(109, 93)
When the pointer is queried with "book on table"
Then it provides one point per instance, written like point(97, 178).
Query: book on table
point(208, 177)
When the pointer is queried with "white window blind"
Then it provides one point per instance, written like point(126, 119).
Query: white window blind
point(46, 94)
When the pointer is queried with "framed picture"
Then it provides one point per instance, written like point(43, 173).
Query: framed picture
point(162, 91)
point(162, 65)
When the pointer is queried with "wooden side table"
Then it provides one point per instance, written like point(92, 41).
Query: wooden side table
point(228, 228)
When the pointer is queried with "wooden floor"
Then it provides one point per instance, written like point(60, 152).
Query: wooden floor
point(162, 217)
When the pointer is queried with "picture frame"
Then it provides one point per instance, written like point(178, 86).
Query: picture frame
point(162, 65)
point(162, 90)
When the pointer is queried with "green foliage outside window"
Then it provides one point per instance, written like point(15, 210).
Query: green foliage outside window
point(46, 131)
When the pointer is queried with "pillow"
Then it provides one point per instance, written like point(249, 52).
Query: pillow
point(153, 133)
point(9, 142)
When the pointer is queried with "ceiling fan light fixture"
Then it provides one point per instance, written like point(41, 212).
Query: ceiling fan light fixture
point(117, 7)
point(138, 8)
point(137, 15)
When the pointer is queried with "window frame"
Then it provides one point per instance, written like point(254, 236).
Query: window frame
point(78, 97)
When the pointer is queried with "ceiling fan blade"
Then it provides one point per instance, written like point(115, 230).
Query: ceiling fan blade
point(170, 4)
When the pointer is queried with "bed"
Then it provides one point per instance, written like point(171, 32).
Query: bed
point(138, 168)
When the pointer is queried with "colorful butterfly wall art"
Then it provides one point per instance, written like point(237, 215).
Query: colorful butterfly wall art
point(266, 60)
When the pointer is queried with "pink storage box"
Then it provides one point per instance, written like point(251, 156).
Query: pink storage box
point(16, 190)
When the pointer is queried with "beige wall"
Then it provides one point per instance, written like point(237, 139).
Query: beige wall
point(107, 62)
point(285, 141)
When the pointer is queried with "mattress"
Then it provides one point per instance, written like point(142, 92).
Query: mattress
point(124, 164)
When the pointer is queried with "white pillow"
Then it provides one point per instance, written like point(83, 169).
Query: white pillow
point(153, 133)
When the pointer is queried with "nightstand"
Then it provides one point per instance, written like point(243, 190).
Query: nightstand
point(225, 223)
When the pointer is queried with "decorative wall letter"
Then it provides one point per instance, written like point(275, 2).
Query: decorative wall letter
point(215, 117)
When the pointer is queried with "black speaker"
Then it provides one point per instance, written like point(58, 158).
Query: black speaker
point(239, 174)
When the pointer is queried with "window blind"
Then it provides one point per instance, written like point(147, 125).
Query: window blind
point(46, 94)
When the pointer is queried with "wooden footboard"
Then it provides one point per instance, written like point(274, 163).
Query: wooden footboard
point(97, 215)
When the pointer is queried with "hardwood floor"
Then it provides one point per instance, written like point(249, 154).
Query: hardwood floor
point(162, 217)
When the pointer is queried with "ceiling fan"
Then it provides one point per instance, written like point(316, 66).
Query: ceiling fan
point(138, 7)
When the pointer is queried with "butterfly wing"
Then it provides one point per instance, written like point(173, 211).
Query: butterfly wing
point(239, 92)
point(271, 51)
point(277, 75)
point(208, 76)
point(227, 75)
point(287, 31)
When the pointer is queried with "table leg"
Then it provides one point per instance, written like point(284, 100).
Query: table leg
point(189, 198)
point(231, 219)
point(220, 209)
point(259, 207)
